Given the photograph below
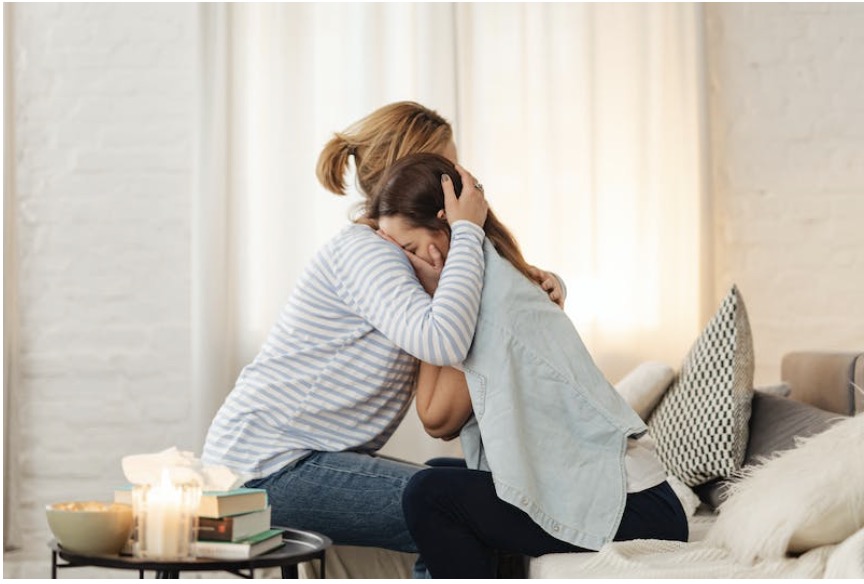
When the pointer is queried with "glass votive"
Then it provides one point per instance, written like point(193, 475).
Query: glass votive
point(165, 517)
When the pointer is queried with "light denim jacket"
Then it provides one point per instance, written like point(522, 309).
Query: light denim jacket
point(547, 423)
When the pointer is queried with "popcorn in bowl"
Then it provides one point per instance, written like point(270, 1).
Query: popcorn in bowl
point(90, 527)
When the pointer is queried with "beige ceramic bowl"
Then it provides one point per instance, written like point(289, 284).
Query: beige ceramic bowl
point(90, 527)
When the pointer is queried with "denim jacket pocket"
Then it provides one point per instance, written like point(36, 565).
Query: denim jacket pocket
point(477, 389)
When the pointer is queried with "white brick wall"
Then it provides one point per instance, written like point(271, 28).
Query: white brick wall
point(787, 119)
point(104, 112)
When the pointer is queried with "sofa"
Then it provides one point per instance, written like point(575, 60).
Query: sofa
point(815, 392)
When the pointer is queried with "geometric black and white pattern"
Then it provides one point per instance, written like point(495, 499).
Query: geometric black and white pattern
point(701, 425)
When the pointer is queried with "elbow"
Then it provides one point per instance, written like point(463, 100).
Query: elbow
point(436, 424)
point(442, 432)
point(433, 432)
point(443, 425)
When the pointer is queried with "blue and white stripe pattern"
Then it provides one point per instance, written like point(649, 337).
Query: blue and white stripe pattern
point(337, 369)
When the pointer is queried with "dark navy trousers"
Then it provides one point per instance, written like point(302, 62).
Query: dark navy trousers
point(460, 525)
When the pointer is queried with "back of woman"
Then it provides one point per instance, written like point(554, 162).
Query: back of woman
point(553, 461)
point(335, 375)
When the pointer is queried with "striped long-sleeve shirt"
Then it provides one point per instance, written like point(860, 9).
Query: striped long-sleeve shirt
point(337, 369)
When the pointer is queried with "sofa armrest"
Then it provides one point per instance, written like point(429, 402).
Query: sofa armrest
point(826, 380)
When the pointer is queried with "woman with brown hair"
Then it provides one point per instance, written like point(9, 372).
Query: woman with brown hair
point(555, 457)
point(335, 375)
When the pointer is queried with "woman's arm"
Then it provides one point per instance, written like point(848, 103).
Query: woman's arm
point(442, 399)
point(386, 293)
point(377, 282)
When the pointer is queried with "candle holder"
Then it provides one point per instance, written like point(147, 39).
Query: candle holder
point(165, 520)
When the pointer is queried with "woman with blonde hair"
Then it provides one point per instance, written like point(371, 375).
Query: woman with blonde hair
point(336, 374)
point(379, 140)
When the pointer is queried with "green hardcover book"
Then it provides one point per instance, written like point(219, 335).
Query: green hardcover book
point(215, 503)
point(240, 550)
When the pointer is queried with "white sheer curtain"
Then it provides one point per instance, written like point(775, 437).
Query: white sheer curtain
point(278, 80)
point(583, 121)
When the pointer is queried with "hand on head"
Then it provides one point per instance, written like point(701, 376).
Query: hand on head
point(471, 204)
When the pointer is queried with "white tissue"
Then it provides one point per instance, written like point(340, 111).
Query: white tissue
point(182, 467)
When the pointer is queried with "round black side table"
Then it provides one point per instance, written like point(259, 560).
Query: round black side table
point(297, 546)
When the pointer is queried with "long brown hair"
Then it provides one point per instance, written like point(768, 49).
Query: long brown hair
point(412, 189)
point(379, 140)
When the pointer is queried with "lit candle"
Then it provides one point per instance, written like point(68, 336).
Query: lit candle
point(165, 519)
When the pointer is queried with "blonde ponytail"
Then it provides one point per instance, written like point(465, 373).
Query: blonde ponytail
point(377, 141)
point(333, 164)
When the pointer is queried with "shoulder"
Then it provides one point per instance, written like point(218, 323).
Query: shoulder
point(357, 232)
point(357, 235)
point(512, 288)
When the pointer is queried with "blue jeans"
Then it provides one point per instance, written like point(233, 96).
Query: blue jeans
point(351, 497)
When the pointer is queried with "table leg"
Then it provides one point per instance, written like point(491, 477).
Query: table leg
point(323, 574)
point(290, 572)
point(53, 565)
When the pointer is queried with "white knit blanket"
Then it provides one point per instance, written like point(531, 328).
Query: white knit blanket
point(646, 558)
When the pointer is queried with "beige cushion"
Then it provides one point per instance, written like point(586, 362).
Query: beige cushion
point(644, 386)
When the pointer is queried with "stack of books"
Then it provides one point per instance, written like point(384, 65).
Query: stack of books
point(232, 525)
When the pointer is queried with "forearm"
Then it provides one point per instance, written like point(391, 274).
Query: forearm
point(376, 281)
point(443, 400)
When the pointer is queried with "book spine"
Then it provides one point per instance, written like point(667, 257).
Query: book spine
point(215, 529)
point(219, 551)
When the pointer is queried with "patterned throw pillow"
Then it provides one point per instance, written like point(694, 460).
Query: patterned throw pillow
point(700, 426)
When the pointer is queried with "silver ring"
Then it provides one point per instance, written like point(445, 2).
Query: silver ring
point(478, 186)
